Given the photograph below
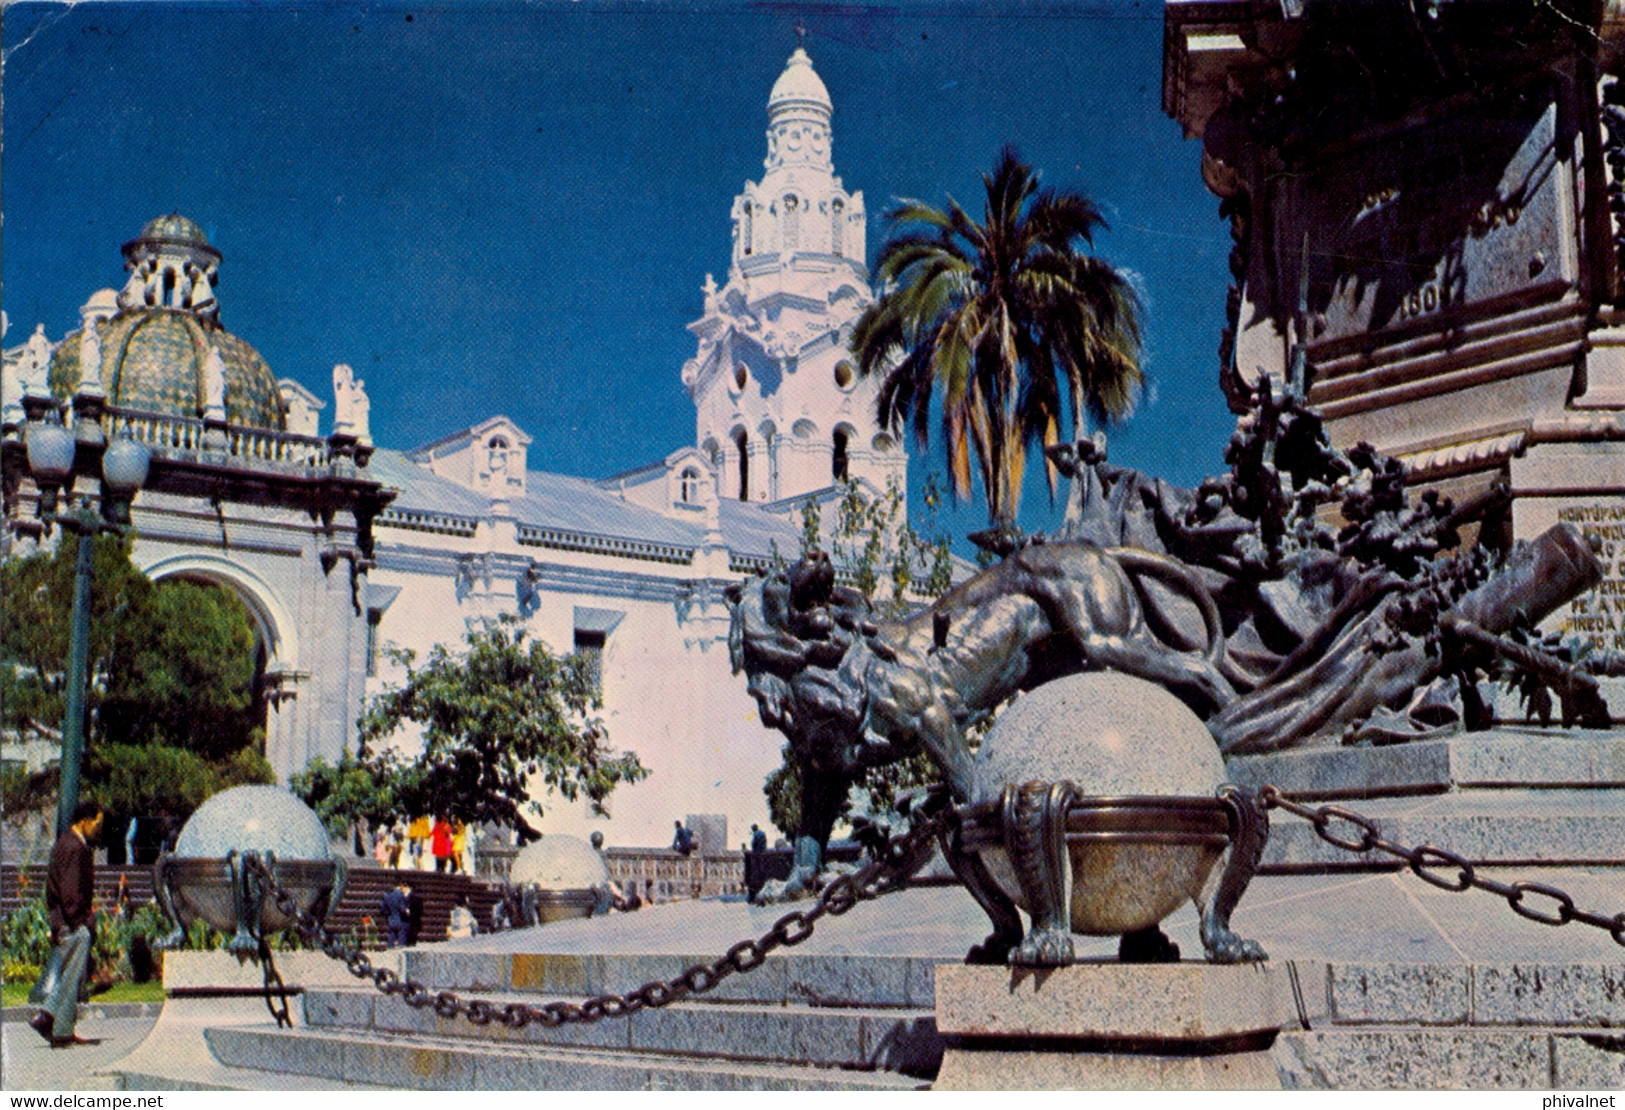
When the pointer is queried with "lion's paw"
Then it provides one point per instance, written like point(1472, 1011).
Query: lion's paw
point(1228, 948)
point(1043, 948)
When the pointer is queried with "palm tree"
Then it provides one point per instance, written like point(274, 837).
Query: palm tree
point(1007, 318)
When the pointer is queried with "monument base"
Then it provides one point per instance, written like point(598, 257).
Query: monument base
point(1107, 1026)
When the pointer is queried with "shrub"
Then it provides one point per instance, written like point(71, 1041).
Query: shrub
point(25, 937)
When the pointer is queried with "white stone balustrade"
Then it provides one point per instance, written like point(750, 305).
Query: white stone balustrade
point(179, 433)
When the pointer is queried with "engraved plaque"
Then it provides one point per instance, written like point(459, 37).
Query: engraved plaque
point(1437, 216)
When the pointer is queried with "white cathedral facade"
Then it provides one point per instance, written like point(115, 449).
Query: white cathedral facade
point(339, 546)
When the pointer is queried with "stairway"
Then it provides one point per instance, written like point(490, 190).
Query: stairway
point(795, 1023)
point(363, 893)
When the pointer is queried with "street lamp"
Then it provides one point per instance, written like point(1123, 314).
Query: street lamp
point(53, 460)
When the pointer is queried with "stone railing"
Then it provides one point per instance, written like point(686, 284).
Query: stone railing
point(660, 875)
point(169, 433)
point(654, 874)
point(181, 433)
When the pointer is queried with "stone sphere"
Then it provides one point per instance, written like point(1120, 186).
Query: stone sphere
point(1110, 733)
point(264, 819)
point(254, 818)
point(559, 862)
point(1112, 736)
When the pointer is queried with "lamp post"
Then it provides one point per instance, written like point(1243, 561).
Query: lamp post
point(54, 459)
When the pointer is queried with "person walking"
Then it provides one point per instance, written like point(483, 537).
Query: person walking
point(758, 839)
point(397, 914)
point(70, 891)
point(459, 843)
point(416, 833)
point(440, 844)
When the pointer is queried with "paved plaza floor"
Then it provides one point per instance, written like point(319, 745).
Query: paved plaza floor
point(1369, 917)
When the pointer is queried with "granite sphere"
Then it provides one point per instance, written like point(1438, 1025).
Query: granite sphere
point(263, 819)
point(559, 862)
point(1109, 733)
point(254, 819)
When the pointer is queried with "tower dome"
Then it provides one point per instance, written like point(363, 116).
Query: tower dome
point(799, 89)
point(798, 116)
point(155, 350)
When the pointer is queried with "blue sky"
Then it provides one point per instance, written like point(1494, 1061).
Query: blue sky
point(497, 207)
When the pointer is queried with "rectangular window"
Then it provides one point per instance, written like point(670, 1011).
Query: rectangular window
point(374, 618)
point(590, 646)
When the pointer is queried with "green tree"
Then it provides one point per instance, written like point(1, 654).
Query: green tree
point(373, 789)
point(873, 544)
point(1020, 330)
point(171, 708)
point(182, 671)
point(504, 710)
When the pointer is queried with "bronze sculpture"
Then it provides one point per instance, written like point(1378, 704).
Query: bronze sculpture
point(1238, 597)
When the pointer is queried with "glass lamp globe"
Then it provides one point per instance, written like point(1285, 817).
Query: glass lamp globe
point(50, 453)
point(124, 466)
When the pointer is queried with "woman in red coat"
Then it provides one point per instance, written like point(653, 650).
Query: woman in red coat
point(440, 843)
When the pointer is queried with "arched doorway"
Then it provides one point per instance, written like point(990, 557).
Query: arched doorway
point(275, 645)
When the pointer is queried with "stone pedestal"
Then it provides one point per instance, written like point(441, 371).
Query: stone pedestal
point(1112, 1026)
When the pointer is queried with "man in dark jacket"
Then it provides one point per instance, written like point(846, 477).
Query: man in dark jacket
point(70, 892)
point(397, 911)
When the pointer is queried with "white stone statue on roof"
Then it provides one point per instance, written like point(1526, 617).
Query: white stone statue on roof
point(351, 407)
point(90, 360)
point(214, 385)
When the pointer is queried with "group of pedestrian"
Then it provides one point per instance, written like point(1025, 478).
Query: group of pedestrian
point(402, 911)
point(439, 843)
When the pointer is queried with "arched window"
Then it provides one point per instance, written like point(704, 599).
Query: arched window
point(742, 441)
point(837, 215)
point(746, 228)
point(496, 455)
point(838, 461)
point(845, 375)
point(688, 485)
point(792, 223)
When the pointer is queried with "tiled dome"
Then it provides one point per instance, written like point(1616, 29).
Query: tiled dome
point(153, 358)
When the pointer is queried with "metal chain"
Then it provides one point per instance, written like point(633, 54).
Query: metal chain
point(1360, 834)
point(889, 871)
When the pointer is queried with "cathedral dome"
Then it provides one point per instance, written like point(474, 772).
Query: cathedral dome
point(175, 228)
point(155, 339)
point(798, 87)
point(153, 360)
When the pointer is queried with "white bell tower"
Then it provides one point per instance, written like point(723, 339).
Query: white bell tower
point(781, 410)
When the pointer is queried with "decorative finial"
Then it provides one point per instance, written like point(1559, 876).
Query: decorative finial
point(801, 34)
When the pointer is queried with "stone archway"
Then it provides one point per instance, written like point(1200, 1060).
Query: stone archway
point(276, 643)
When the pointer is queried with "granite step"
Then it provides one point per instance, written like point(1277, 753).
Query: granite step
point(1424, 1058)
point(1478, 996)
point(422, 1062)
point(798, 978)
point(1516, 1026)
point(894, 1039)
point(1553, 827)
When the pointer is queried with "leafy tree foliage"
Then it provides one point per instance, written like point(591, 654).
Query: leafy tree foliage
point(1013, 324)
point(375, 789)
point(873, 543)
point(503, 711)
point(171, 680)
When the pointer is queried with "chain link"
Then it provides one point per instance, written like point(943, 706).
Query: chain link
point(1423, 859)
point(888, 872)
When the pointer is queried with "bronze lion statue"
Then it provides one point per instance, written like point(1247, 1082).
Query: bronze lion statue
point(851, 692)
